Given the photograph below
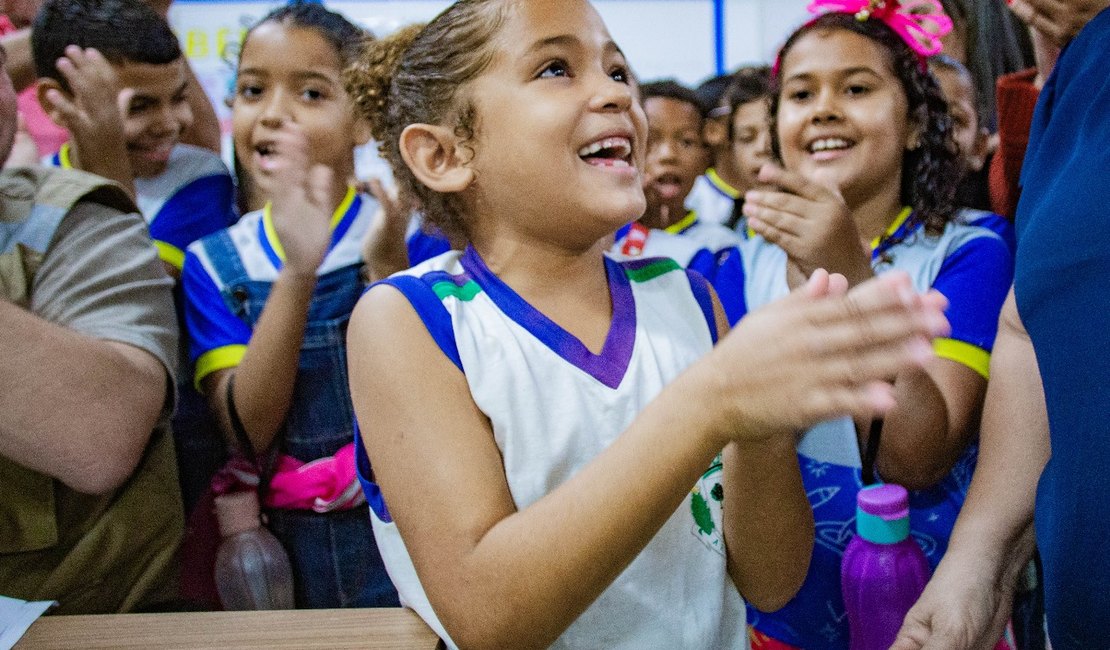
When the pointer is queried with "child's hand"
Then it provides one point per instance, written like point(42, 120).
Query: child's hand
point(92, 115)
point(809, 221)
point(301, 201)
point(824, 352)
point(384, 248)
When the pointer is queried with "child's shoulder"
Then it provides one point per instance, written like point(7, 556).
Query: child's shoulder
point(641, 270)
point(191, 173)
point(197, 161)
point(244, 235)
point(446, 266)
point(995, 223)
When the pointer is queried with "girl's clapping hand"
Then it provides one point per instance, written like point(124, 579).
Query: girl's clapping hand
point(810, 221)
point(301, 202)
point(824, 352)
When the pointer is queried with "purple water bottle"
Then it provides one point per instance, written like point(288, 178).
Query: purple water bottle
point(883, 571)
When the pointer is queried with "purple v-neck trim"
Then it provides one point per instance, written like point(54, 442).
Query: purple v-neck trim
point(610, 366)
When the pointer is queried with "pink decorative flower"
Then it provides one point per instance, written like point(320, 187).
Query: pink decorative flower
point(920, 23)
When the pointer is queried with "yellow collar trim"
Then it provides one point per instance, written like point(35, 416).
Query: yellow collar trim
point(721, 183)
point(63, 157)
point(336, 217)
point(679, 226)
point(894, 226)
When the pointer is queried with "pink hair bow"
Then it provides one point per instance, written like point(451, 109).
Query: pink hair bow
point(920, 23)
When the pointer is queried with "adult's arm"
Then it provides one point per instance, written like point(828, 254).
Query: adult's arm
point(967, 602)
point(86, 369)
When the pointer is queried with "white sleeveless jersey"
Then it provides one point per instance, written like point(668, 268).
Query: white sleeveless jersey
point(554, 406)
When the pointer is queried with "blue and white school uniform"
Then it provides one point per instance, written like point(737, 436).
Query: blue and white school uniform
point(713, 199)
point(193, 197)
point(708, 248)
point(554, 406)
point(227, 279)
point(972, 267)
point(424, 241)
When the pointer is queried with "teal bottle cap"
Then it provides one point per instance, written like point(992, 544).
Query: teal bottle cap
point(883, 513)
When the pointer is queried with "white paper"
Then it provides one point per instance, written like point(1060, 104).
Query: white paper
point(18, 615)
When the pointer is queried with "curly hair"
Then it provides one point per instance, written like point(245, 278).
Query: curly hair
point(930, 172)
point(418, 76)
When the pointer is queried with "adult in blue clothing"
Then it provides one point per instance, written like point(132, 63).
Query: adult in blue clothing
point(1050, 369)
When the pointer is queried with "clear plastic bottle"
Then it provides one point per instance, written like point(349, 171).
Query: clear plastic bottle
point(883, 571)
point(252, 568)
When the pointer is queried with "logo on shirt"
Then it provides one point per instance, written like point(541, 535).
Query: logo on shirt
point(705, 507)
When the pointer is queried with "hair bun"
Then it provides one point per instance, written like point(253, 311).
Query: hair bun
point(369, 77)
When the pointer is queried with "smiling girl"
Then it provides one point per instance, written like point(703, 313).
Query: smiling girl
point(552, 451)
point(269, 300)
point(870, 172)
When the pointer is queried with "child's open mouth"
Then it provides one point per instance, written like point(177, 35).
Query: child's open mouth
point(608, 152)
point(265, 154)
point(667, 186)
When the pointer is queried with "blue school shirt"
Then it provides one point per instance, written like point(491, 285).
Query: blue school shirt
point(715, 200)
point(218, 336)
point(193, 197)
point(1063, 270)
point(972, 266)
point(710, 249)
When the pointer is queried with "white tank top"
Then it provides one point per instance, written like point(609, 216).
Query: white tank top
point(554, 406)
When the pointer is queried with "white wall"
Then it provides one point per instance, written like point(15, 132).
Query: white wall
point(662, 38)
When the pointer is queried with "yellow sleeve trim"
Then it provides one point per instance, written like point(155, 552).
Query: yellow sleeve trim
point(170, 254)
point(215, 359)
point(972, 356)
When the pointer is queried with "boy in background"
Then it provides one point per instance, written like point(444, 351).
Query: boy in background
point(139, 72)
point(739, 138)
point(112, 72)
point(676, 158)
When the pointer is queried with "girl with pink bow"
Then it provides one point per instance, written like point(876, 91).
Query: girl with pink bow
point(866, 186)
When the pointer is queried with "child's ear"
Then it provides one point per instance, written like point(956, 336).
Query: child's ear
point(979, 151)
point(435, 157)
point(52, 111)
point(715, 132)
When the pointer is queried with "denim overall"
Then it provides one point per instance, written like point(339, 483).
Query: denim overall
point(335, 560)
